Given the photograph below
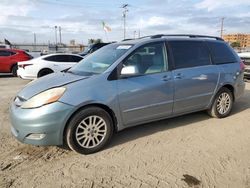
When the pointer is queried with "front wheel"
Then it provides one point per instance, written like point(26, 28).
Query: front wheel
point(222, 104)
point(89, 130)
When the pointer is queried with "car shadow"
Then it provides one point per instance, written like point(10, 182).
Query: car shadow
point(242, 104)
point(143, 130)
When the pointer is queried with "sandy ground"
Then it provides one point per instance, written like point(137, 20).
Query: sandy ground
point(189, 151)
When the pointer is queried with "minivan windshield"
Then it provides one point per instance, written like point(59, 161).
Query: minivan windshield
point(100, 60)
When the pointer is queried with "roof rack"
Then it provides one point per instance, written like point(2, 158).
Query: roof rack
point(181, 35)
point(126, 39)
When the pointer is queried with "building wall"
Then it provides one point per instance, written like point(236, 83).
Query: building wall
point(243, 39)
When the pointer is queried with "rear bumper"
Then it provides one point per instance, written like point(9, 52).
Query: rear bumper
point(22, 74)
point(239, 89)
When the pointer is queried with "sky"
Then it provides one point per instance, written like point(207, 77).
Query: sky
point(82, 20)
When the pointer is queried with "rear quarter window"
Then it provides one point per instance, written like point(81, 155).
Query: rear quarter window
point(222, 53)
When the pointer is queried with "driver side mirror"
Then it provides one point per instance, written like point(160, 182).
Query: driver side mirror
point(129, 71)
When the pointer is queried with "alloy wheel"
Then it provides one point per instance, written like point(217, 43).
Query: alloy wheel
point(91, 131)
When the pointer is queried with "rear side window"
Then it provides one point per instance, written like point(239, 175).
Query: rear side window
point(63, 58)
point(76, 59)
point(51, 58)
point(222, 53)
point(4, 53)
point(189, 54)
point(58, 58)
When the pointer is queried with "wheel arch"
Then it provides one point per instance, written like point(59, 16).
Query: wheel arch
point(42, 69)
point(230, 87)
point(102, 106)
point(226, 85)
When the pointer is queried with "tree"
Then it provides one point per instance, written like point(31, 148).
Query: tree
point(94, 41)
point(235, 44)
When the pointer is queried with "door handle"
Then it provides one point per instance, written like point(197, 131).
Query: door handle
point(201, 77)
point(166, 78)
point(178, 76)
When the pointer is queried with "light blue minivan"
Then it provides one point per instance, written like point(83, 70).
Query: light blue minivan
point(126, 84)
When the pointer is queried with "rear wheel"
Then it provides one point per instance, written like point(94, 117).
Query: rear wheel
point(222, 104)
point(44, 72)
point(14, 70)
point(89, 130)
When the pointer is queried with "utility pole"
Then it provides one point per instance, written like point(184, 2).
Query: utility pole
point(56, 34)
point(222, 27)
point(134, 34)
point(124, 15)
point(34, 41)
point(60, 34)
point(56, 38)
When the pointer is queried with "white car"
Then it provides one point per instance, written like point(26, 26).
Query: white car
point(245, 56)
point(46, 64)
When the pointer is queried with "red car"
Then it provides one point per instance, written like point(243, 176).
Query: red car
point(9, 59)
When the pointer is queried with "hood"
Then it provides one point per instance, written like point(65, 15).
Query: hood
point(48, 82)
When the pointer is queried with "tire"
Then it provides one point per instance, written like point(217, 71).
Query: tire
point(44, 72)
point(219, 108)
point(95, 137)
point(14, 70)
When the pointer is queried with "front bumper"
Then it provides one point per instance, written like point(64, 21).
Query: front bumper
point(48, 120)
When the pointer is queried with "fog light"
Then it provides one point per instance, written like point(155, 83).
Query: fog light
point(35, 136)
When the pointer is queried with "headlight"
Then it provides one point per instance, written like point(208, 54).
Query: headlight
point(46, 97)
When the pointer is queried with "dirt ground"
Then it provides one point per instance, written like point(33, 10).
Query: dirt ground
point(188, 151)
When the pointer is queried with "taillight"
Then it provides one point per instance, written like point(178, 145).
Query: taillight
point(24, 65)
point(242, 66)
